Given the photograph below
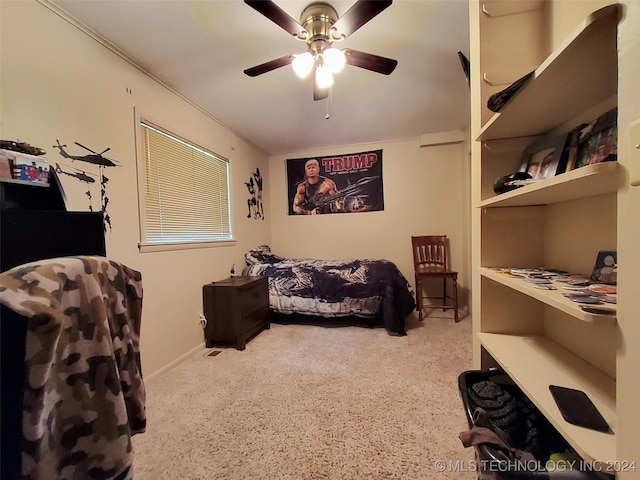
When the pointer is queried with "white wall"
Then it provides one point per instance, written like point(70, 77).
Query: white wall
point(425, 193)
point(58, 83)
point(566, 16)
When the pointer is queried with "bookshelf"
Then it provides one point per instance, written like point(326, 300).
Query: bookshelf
point(537, 336)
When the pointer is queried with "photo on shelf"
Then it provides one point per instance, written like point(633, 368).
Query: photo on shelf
point(542, 158)
point(572, 149)
point(605, 269)
point(599, 142)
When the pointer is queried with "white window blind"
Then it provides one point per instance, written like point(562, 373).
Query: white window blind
point(186, 191)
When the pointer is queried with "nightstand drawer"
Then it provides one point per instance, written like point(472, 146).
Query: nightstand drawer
point(254, 298)
point(255, 322)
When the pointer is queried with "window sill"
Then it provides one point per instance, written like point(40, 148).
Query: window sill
point(163, 247)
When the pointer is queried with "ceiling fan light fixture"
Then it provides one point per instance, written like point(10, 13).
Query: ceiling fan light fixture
point(318, 28)
point(334, 59)
point(303, 64)
point(324, 77)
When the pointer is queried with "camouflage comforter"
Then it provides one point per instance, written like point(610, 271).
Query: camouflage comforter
point(84, 395)
point(334, 288)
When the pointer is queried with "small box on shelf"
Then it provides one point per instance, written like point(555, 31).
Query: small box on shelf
point(21, 167)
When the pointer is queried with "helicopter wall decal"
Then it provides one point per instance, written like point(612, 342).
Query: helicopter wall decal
point(79, 174)
point(93, 157)
point(82, 176)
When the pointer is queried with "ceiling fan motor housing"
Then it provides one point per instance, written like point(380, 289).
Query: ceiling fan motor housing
point(317, 19)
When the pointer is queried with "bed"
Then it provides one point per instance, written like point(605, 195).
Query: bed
point(334, 288)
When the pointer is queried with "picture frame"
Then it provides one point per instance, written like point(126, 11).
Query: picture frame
point(605, 268)
point(600, 140)
point(572, 149)
point(542, 158)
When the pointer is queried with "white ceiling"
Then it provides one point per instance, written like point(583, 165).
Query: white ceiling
point(201, 48)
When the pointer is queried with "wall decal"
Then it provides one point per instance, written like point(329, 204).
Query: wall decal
point(254, 203)
point(80, 175)
point(349, 183)
point(93, 158)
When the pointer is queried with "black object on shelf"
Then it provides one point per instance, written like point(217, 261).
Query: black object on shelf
point(511, 182)
point(499, 99)
point(466, 67)
point(578, 409)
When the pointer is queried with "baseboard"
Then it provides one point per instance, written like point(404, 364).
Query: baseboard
point(175, 362)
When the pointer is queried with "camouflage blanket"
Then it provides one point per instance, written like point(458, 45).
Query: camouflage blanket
point(84, 395)
point(365, 288)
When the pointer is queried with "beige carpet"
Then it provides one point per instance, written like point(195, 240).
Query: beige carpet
point(310, 402)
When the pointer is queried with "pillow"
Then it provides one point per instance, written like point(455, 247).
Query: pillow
point(261, 254)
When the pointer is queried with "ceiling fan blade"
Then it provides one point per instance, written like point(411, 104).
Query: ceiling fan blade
point(319, 93)
point(278, 16)
point(360, 13)
point(267, 67)
point(370, 62)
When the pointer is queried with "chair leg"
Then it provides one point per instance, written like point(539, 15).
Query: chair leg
point(455, 300)
point(419, 297)
point(444, 293)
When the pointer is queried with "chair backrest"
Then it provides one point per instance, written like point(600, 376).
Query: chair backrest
point(430, 251)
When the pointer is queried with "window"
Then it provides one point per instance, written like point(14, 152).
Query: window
point(184, 191)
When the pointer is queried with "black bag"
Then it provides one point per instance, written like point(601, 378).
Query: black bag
point(499, 99)
point(511, 182)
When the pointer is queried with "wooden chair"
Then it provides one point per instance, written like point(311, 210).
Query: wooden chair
point(431, 261)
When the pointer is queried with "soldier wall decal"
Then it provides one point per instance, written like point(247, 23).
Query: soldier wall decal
point(254, 203)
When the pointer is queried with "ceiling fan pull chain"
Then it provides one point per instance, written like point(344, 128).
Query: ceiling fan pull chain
point(326, 117)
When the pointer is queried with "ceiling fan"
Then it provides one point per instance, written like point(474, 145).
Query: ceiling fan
point(319, 27)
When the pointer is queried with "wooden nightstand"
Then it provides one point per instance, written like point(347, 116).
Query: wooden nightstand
point(236, 309)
